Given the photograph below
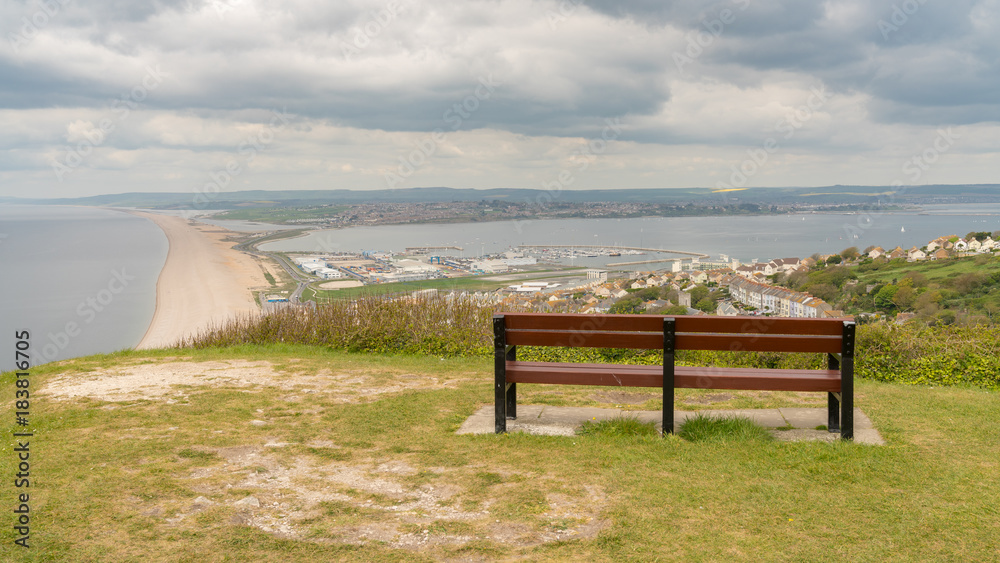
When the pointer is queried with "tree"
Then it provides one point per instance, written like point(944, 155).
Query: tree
point(648, 293)
point(916, 278)
point(904, 297)
point(825, 291)
point(835, 259)
point(796, 279)
point(850, 253)
point(630, 305)
point(706, 304)
point(967, 283)
point(927, 302)
point(698, 293)
point(883, 299)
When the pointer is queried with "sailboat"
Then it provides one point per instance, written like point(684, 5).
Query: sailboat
point(902, 229)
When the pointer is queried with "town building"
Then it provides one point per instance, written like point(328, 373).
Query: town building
point(776, 300)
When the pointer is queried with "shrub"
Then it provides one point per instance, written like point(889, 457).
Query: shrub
point(421, 325)
point(939, 355)
point(944, 354)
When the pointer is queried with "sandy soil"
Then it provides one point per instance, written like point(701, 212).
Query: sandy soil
point(203, 282)
point(341, 284)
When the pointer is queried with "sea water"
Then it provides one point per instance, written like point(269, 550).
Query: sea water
point(79, 280)
point(740, 237)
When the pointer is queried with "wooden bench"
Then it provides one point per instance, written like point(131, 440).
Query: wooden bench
point(834, 337)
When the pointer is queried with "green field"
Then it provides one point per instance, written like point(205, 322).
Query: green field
point(294, 453)
point(280, 215)
point(470, 283)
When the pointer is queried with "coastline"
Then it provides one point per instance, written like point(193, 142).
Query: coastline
point(203, 283)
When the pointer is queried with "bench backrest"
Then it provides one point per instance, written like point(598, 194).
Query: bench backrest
point(834, 336)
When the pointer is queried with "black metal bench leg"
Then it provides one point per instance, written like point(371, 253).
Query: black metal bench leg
point(847, 402)
point(847, 384)
point(511, 397)
point(499, 374)
point(833, 413)
point(668, 375)
point(500, 414)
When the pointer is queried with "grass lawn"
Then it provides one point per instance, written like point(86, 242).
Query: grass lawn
point(935, 270)
point(469, 283)
point(293, 453)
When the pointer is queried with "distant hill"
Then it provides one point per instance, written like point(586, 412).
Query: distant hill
point(886, 195)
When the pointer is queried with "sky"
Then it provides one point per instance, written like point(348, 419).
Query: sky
point(111, 96)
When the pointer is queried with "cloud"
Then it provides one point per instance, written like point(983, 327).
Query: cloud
point(367, 80)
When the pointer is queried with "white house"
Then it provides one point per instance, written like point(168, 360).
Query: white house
point(785, 264)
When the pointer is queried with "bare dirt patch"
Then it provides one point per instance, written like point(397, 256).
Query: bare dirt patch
point(709, 399)
point(359, 502)
point(622, 398)
point(170, 381)
point(159, 380)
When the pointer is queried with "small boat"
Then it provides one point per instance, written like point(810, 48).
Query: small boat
point(902, 229)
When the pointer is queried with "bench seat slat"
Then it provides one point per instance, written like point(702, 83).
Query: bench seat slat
point(586, 323)
point(750, 379)
point(758, 343)
point(593, 339)
point(610, 375)
point(760, 325)
point(688, 377)
point(685, 341)
point(571, 322)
